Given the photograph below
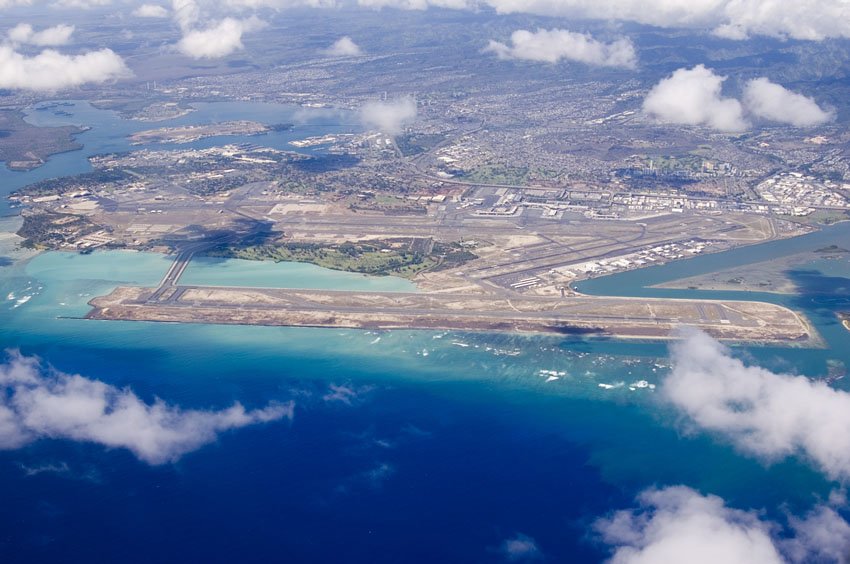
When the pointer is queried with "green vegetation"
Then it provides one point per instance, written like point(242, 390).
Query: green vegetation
point(452, 255)
point(397, 257)
point(299, 187)
point(692, 162)
point(389, 205)
point(512, 176)
point(498, 174)
point(415, 144)
point(52, 230)
point(65, 184)
point(24, 146)
point(824, 217)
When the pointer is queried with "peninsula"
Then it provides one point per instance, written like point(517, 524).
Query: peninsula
point(24, 146)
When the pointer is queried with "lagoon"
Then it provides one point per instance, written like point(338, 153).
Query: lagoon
point(208, 271)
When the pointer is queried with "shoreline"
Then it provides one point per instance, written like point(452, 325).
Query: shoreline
point(490, 318)
point(536, 315)
point(672, 337)
point(613, 318)
point(47, 157)
point(677, 283)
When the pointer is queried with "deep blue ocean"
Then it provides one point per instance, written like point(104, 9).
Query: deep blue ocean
point(444, 445)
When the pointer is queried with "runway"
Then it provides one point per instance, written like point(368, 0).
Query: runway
point(585, 315)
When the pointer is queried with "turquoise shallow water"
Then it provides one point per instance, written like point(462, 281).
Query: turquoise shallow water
point(446, 431)
point(449, 442)
point(206, 271)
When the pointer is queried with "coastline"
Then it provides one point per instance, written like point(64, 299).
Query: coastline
point(433, 315)
point(770, 276)
point(654, 319)
point(42, 162)
point(489, 319)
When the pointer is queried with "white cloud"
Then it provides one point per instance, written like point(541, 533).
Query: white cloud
point(417, 4)
point(372, 479)
point(822, 536)
point(345, 394)
point(219, 40)
point(186, 13)
point(677, 524)
point(6, 4)
point(553, 45)
point(768, 415)
point(801, 19)
point(61, 468)
point(344, 47)
point(520, 548)
point(80, 4)
point(768, 100)
point(282, 4)
point(735, 19)
point(151, 11)
point(342, 394)
point(51, 70)
point(48, 37)
point(388, 117)
point(379, 474)
point(40, 403)
point(693, 97)
point(653, 12)
point(216, 40)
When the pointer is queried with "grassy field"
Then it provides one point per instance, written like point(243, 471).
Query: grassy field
point(497, 174)
point(823, 217)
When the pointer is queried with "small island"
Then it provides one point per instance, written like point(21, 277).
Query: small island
point(844, 316)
